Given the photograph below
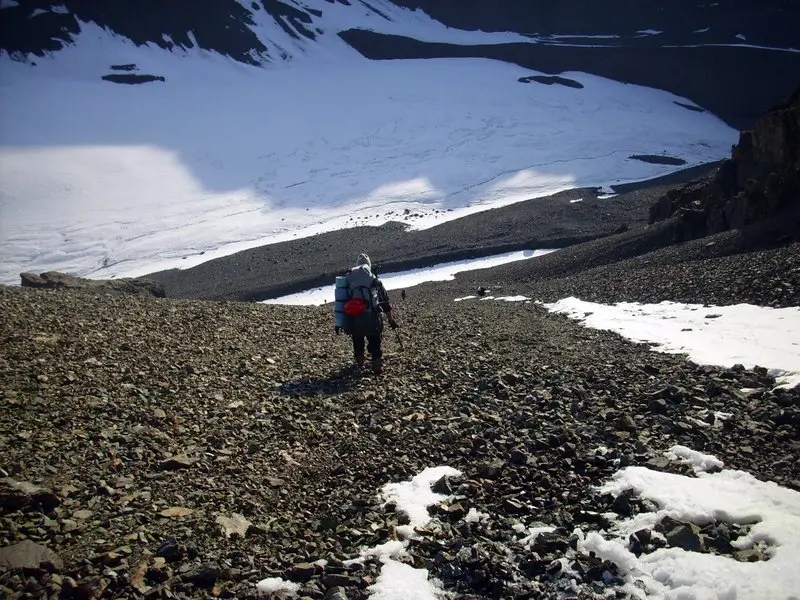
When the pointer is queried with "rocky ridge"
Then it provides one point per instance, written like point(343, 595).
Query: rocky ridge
point(181, 449)
point(761, 180)
point(53, 280)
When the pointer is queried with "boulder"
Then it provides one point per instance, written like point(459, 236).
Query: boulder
point(29, 556)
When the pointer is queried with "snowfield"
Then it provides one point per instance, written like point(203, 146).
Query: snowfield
point(105, 180)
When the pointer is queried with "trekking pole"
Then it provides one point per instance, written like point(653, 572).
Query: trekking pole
point(399, 339)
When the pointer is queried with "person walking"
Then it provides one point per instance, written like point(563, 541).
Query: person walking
point(367, 302)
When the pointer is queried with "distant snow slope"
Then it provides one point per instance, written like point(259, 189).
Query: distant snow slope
point(100, 179)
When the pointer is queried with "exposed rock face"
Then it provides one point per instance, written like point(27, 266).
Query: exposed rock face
point(131, 287)
point(759, 181)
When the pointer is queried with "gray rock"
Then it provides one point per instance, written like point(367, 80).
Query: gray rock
point(492, 469)
point(683, 536)
point(27, 555)
point(332, 580)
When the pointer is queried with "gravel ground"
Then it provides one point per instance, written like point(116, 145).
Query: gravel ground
point(639, 266)
point(132, 428)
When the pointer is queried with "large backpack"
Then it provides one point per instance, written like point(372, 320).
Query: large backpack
point(356, 307)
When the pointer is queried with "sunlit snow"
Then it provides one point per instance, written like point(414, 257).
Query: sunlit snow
point(730, 496)
point(716, 335)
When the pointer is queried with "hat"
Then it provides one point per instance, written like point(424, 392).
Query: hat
point(363, 259)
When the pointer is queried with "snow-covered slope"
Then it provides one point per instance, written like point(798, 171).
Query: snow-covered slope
point(101, 179)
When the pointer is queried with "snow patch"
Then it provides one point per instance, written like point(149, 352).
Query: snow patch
point(399, 581)
point(278, 588)
point(415, 496)
point(729, 496)
point(699, 462)
point(715, 335)
point(475, 516)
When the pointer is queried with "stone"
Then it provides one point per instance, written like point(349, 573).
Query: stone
point(176, 511)
point(626, 423)
point(336, 580)
point(16, 495)
point(204, 576)
point(177, 462)
point(550, 542)
point(683, 536)
point(748, 555)
point(519, 458)
point(513, 506)
point(301, 572)
point(170, 550)
point(490, 470)
point(336, 593)
point(29, 556)
point(236, 524)
point(658, 463)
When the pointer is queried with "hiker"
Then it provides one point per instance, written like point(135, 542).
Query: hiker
point(368, 299)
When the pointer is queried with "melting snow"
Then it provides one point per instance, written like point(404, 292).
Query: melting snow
point(699, 462)
point(730, 496)
point(415, 496)
point(399, 581)
point(716, 335)
point(279, 588)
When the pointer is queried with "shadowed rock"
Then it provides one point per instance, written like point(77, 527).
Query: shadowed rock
point(132, 79)
point(760, 181)
point(550, 80)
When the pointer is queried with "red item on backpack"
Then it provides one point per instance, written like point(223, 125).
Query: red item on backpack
point(355, 307)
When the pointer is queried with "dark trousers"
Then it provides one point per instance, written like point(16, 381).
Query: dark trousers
point(373, 345)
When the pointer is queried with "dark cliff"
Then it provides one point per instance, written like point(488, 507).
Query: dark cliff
point(760, 181)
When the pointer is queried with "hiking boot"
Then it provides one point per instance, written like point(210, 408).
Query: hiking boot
point(377, 366)
point(360, 360)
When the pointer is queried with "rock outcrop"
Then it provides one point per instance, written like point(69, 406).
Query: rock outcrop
point(761, 180)
point(126, 286)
